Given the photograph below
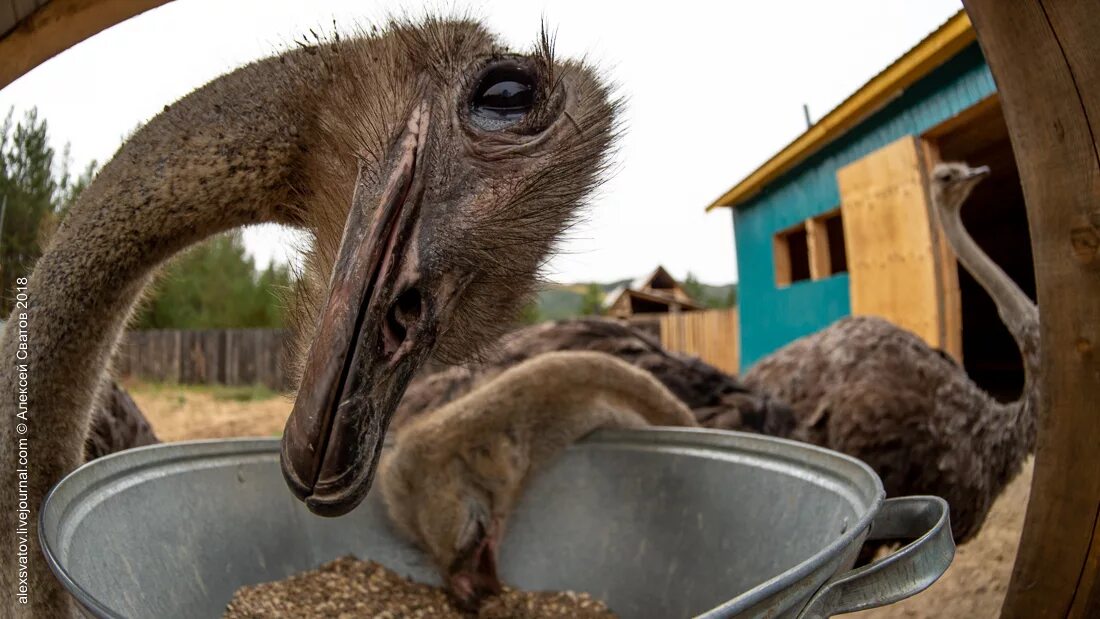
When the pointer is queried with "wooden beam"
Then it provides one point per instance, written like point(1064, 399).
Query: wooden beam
point(781, 259)
point(817, 241)
point(1045, 58)
point(57, 26)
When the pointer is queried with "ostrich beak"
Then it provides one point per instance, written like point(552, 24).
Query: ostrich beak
point(473, 576)
point(979, 172)
point(379, 323)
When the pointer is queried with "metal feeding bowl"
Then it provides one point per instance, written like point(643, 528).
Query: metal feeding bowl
point(656, 523)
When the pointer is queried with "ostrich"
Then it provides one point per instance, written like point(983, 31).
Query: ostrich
point(872, 390)
point(117, 424)
point(455, 473)
point(717, 399)
point(433, 169)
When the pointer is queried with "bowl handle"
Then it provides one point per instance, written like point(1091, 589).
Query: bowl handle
point(906, 572)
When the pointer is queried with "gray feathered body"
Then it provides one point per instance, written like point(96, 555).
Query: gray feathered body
point(117, 424)
point(717, 399)
point(870, 389)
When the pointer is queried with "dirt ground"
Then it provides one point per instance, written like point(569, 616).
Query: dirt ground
point(973, 587)
point(185, 413)
point(975, 584)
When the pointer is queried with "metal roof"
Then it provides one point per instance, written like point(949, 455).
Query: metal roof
point(939, 46)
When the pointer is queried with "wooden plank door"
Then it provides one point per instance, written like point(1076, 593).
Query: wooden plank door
point(893, 242)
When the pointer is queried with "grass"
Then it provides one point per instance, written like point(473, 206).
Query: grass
point(235, 393)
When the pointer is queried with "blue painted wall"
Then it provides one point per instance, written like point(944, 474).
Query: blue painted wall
point(770, 316)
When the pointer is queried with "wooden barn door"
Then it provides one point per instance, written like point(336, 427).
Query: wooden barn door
point(895, 255)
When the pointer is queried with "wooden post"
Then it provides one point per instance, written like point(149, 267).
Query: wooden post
point(57, 25)
point(1045, 58)
point(781, 251)
point(817, 241)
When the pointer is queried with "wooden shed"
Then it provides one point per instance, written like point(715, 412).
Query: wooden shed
point(839, 222)
point(658, 293)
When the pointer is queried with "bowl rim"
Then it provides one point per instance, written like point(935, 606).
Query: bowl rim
point(121, 463)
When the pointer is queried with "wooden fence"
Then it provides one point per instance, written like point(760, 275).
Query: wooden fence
point(254, 356)
point(710, 335)
point(221, 356)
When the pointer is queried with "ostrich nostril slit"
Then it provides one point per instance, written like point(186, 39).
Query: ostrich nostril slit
point(403, 314)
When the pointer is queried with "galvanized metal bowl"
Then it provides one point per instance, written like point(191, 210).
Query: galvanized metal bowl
point(657, 523)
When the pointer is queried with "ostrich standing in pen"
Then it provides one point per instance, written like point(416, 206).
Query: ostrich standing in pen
point(868, 388)
point(717, 399)
point(434, 171)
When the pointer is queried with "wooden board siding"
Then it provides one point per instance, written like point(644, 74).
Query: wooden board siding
point(710, 335)
point(772, 317)
point(892, 262)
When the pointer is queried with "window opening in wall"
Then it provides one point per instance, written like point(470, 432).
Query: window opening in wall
point(792, 256)
point(826, 245)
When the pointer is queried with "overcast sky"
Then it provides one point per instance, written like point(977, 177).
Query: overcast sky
point(713, 89)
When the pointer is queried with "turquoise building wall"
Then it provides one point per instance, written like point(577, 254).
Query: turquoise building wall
point(772, 317)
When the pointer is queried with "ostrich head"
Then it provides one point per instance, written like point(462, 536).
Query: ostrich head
point(455, 503)
point(471, 162)
point(953, 182)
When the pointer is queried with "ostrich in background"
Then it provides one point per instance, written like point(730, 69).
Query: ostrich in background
point(717, 399)
point(434, 170)
point(117, 424)
point(868, 388)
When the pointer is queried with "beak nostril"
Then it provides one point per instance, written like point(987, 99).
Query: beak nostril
point(408, 306)
point(403, 314)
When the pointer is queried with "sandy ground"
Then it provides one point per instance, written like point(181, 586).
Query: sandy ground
point(975, 584)
point(973, 587)
point(184, 413)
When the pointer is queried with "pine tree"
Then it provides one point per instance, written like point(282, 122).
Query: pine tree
point(35, 195)
point(695, 289)
point(592, 302)
point(215, 285)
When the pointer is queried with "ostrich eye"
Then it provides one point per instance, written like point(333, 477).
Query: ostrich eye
point(504, 97)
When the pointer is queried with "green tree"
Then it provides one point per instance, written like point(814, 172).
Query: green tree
point(694, 288)
point(529, 315)
point(592, 302)
point(216, 285)
point(36, 190)
point(731, 296)
point(710, 297)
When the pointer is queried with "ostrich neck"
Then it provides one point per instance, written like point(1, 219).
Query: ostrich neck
point(1012, 433)
point(220, 158)
point(1017, 311)
point(1009, 436)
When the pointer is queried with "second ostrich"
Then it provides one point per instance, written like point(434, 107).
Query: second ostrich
point(868, 388)
point(717, 399)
